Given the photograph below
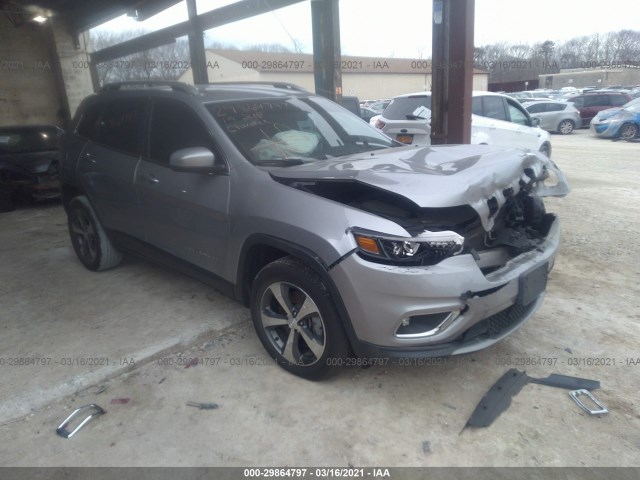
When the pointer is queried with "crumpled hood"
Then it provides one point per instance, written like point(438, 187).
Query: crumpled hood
point(439, 176)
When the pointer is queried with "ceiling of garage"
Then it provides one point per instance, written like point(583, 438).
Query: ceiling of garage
point(82, 14)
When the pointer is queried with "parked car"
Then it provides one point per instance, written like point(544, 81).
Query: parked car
point(530, 95)
point(29, 162)
point(497, 120)
point(621, 123)
point(561, 117)
point(366, 113)
point(380, 105)
point(340, 241)
point(591, 103)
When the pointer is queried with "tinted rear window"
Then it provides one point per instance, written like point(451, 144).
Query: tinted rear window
point(400, 107)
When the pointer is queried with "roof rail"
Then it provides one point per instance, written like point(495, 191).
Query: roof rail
point(176, 86)
point(283, 85)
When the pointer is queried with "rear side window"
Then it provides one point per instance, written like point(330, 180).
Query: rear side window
point(117, 124)
point(175, 126)
point(121, 125)
point(494, 108)
point(618, 100)
point(596, 100)
point(556, 107)
point(88, 125)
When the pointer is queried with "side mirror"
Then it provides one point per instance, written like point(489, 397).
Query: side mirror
point(195, 159)
point(535, 121)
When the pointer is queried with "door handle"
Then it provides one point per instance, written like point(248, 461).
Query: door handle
point(149, 177)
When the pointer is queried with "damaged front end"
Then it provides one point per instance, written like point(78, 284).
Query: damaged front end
point(473, 265)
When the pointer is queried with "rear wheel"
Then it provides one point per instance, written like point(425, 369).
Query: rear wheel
point(566, 127)
point(295, 319)
point(628, 131)
point(89, 240)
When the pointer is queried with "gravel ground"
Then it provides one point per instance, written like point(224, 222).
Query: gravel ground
point(398, 415)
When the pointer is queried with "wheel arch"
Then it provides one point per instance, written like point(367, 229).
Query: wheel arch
point(260, 250)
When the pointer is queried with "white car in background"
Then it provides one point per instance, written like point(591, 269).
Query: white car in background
point(497, 120)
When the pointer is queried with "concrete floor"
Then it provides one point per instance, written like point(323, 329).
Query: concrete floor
point(392, 416)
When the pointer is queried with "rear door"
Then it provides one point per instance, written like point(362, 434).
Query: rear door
point(185, 213)
point(108, 162)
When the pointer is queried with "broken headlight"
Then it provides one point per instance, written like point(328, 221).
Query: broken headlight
point(428, 248)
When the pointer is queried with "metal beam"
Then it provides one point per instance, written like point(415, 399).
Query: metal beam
point(452, 71)
point(215, 18)
point(196, 47)
point(461, 67)
point(440, 72)
point(327, 73)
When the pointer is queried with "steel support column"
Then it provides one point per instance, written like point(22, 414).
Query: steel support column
point(327, 73)
point(452, 71)
point(196, 46)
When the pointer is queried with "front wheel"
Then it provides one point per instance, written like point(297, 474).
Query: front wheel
point(628, 131)
point(565, 127)
point(295, 319)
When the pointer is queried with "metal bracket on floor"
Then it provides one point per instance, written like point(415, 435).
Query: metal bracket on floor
point(576, 394)
point(93, 410)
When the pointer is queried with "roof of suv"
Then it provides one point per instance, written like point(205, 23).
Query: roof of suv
point(211, 92)
point(475, 93)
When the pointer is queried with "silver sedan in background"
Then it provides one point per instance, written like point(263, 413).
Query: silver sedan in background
point(561, 117)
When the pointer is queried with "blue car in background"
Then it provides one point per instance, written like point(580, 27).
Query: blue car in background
point(623, 122)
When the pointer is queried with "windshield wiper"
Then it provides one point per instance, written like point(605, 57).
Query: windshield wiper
point(415, 117)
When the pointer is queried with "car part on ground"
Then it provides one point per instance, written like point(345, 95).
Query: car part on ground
point(29, 163)
point(499, 396)
point(286, 201)
point(93, 411)
point(577, 395)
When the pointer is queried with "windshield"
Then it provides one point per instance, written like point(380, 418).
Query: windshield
point(28, 140)
point(271, 130)
point(407, 108)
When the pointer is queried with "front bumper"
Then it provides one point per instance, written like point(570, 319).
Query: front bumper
point(379, 298)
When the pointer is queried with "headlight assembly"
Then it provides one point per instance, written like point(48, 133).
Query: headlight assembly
point(428, 248)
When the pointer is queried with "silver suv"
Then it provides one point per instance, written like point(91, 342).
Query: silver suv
point(341, 241)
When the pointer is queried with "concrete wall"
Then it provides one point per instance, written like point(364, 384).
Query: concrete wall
point(28, 93)
point(40, 68)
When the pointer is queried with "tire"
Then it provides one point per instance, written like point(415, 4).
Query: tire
point(565, 127)
point(545, 149)
point(314, 345)
point(628, 131)
point(89, 240)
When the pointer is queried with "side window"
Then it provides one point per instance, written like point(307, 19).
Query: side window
point(476, 105)
point(578, 102)
point(494, 108)
point(517, 115)
point(555, 107)
point(88, 124)
point(121, 124)
point(617, 100)
point(536, 108)
point(595, 100)
point(175, 126)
